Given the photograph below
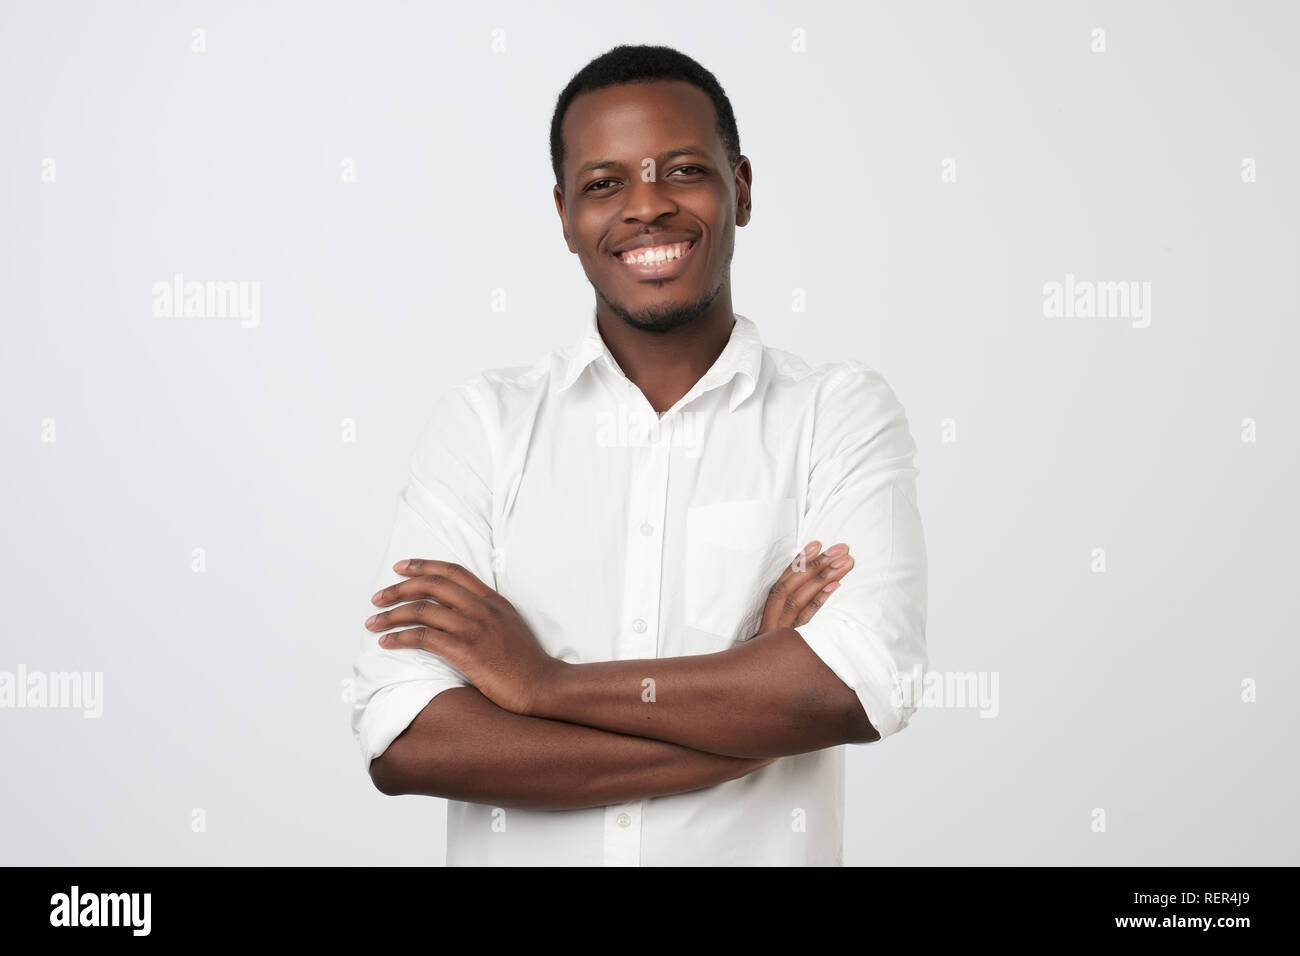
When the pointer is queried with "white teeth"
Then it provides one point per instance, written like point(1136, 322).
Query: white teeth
point(657, 254)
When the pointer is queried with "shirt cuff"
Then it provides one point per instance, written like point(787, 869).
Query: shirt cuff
point(391, 710)
point(858, 661)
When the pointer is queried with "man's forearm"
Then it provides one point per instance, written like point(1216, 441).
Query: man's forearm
point(464, 747)
point(770, 696)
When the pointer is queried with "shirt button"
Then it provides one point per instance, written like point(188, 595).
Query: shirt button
point(639, 626)
point(647, 529)
point(624, 820)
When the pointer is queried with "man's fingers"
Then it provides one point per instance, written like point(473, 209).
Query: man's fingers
point(812, 594)
point(415, 567)
point(800, 565)
point(426, 638)
point(443, 586)
point(427, 613)
point(812, 584)
point(775, 613)
point(802, 582)
point(794, 575)
point(802, 558)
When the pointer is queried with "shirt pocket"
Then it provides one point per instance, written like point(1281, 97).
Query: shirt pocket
point(735, 551)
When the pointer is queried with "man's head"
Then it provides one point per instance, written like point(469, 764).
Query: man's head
point(645, 149)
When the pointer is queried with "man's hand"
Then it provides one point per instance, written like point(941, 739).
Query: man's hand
point(768, 697)
point(479, 632)
point(804, 586)
point(469, 624)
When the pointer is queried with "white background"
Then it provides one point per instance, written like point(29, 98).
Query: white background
point(225, 690)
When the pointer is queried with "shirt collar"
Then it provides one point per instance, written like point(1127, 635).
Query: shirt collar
point(741, 358)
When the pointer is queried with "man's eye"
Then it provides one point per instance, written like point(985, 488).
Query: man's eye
point(695, 170)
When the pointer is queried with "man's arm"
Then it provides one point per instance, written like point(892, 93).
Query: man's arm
point(851, 675)
point(464, 747)
point(835, 680)
point(423, 729)
point(768, 697)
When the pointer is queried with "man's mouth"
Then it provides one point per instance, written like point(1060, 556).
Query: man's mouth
point(657, 262)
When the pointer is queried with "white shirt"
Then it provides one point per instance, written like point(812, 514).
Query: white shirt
point(618, 534)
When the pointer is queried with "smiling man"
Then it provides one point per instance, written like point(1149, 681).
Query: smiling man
point(599, 650)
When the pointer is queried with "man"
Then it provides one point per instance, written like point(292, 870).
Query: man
point(588, 656)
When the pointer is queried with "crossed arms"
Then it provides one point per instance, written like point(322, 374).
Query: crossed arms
point(538, 733)
point(522, 729)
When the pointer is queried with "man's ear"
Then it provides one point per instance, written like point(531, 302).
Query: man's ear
point(744, 182)
point(564, 219)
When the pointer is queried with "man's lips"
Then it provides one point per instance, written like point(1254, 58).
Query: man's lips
point(662, 261)
point(648, 240)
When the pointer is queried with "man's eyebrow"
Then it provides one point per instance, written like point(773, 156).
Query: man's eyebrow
point(670, 154)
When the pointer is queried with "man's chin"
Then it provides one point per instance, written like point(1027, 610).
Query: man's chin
point(660, 319)
point(659, 323)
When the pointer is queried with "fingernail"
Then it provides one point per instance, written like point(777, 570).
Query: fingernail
point(811, 548)
point(374, 599)
point(830, 587)
point(839, 562)
point(836, 550)
point(371, 620)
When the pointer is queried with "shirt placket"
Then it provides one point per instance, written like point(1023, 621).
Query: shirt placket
point(639, 635)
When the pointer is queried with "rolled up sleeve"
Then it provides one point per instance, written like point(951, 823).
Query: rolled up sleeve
point(444, 514)
point(862, 491)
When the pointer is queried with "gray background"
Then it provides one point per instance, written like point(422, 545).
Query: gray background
point(225, 690)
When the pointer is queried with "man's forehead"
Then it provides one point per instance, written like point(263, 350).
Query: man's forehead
point(645, 118)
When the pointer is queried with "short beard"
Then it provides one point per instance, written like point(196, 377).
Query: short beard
point(665, 318)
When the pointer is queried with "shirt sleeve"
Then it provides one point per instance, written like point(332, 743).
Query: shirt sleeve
point(443, 513)
point(862, 491)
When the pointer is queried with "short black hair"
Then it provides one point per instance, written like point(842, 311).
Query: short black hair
point(633, 64)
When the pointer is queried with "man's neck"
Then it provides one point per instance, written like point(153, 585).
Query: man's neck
point(666, 365)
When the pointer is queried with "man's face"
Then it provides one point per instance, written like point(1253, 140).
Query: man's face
point(643, 161)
